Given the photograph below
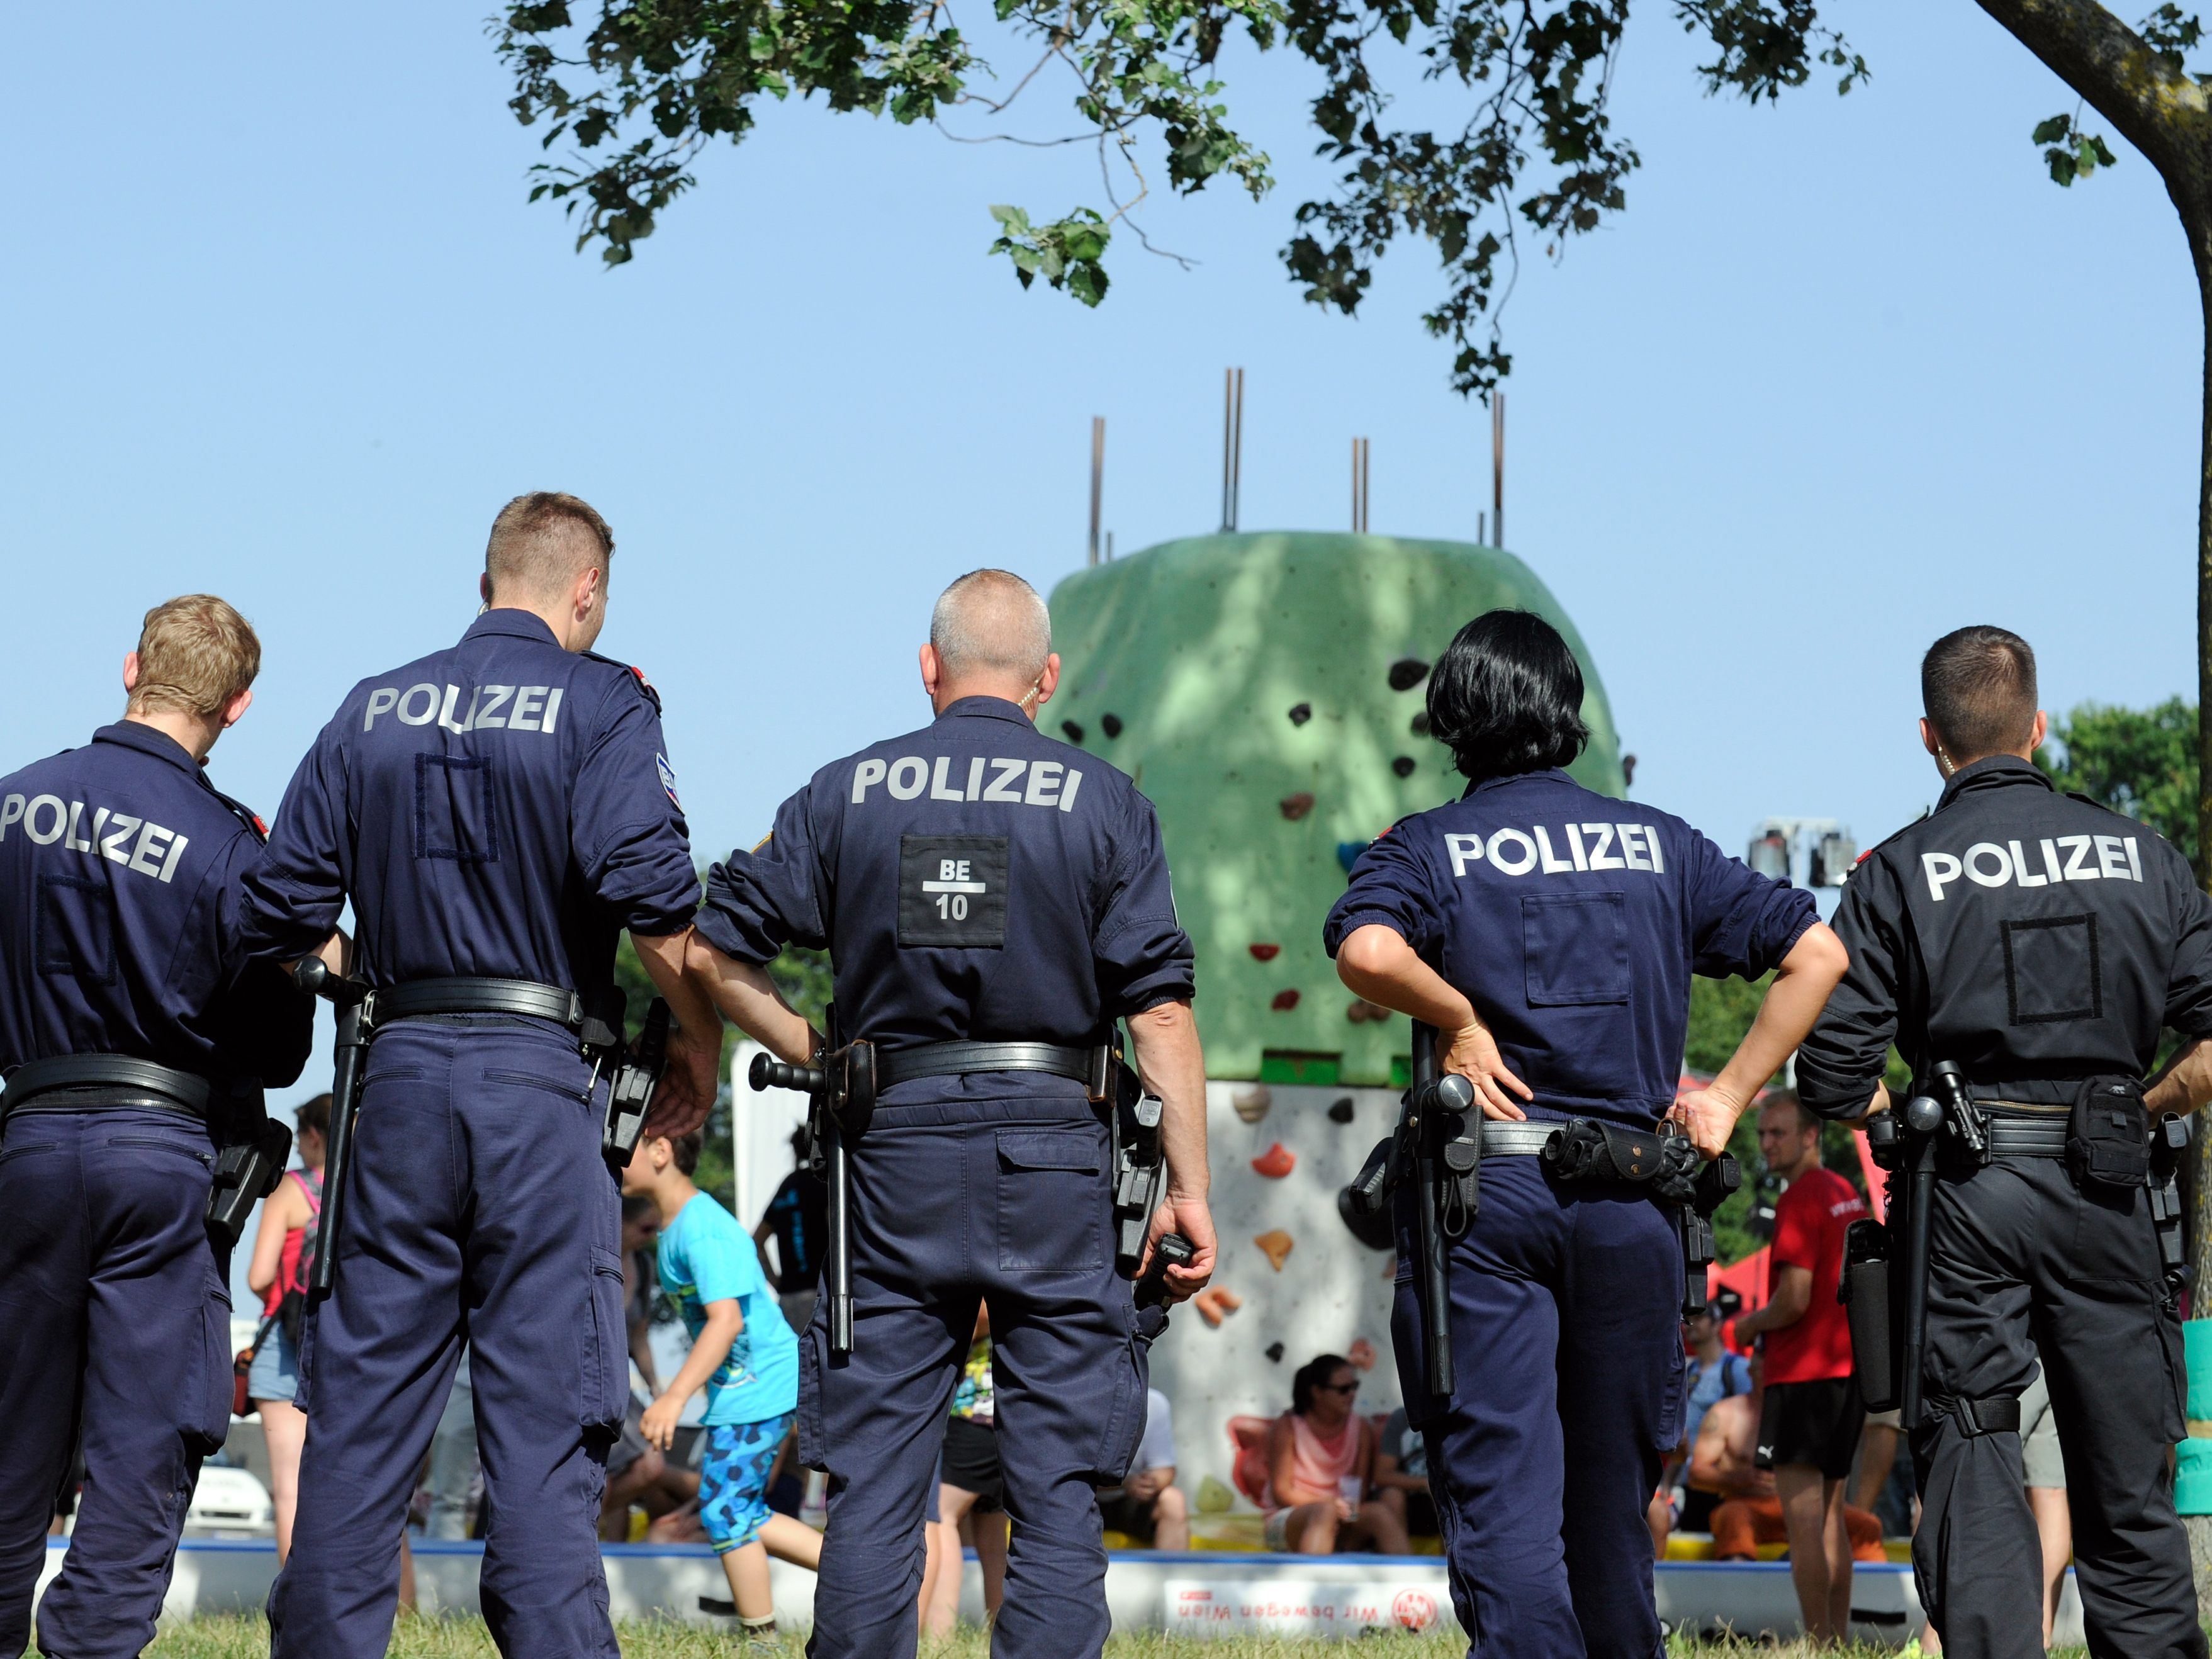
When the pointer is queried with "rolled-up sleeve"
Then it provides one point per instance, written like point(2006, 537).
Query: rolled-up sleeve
point(1144, 957)
point(627, 829)
point(2189, 983)
point(761, 901)
point(1741, 922)
point(1848, 1050)
point(1391, 886)
point(291, 896)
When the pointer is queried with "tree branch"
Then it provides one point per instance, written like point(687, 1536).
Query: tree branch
point(2158, 107)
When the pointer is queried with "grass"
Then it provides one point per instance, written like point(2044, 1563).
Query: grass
point(466, 1639)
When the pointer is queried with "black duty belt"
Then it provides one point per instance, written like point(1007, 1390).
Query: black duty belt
point(73, 1081)
point(1503, 1139)
point(416, 997)
point(2018, 1129)
point(1091, 1067)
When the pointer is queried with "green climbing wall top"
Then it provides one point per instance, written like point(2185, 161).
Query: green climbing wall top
point(1261, 690)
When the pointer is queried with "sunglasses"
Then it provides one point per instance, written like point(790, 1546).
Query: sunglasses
point(1338, 1387)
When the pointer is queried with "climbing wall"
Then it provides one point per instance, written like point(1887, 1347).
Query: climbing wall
point(1268, 693)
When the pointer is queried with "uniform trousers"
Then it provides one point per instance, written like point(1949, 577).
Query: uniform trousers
point(114, 1322)
point(1566, 1336)
point(2022, 1262)
point(478, 1209)
point(954, 1204)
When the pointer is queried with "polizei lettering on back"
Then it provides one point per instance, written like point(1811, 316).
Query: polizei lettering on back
point(513, 708)
point(1559, 848)
point(135, 844)
point(2054, 858)
point(1047, 783)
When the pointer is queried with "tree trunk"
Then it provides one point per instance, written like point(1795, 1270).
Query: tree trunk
point(2199, 227)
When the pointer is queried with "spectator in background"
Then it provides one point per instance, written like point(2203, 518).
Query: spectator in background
point(1724, 1461)
point(1401, 1475)
point(2045, 1466)
point(1808, 1433)
point(797, 1218)
point(637, 1473)
point(1148, 1506)
point(284, 1252)
point(1320, 1466)
point(971, 1487)
point(1715, 1374)
point(454, 1459)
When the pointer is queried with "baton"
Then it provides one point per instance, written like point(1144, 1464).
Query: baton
point(312, 976)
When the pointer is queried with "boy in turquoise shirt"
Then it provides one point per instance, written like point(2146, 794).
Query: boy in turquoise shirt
point(744, 1356)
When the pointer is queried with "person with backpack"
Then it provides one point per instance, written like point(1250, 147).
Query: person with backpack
point(284, 1252)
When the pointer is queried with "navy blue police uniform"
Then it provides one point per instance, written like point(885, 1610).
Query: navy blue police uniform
point(496, 811)
point(1572, 922)
point(972, 881)
point(2040, 942)
point(119, 938)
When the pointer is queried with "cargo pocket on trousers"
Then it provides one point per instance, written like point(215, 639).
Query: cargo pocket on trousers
point(206, 1423)
point(1673, 1406)
point(1052, 1199)
point(606, 1359)
point(1124, 1418)
point(813, 1359)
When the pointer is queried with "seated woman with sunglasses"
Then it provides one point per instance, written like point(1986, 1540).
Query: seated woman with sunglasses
point(1321, 1468)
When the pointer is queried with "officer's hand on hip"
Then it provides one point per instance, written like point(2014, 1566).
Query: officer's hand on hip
point(687, 1084)
point(1182, 1213)
point(1472, 1052)
point(1708, 1116)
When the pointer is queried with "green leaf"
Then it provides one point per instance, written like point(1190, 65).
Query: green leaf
point(2051, 131)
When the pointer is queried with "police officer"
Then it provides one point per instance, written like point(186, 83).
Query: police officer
point(978, 883)
point(496, 812)
point(137, 1040)
point(1549, 934)
point(2039, 943)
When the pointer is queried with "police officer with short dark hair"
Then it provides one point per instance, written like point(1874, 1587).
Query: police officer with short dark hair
point(496, 812)
point(1548, 933)
point(137, 1039)
point(2039, 943)
point(993, 902)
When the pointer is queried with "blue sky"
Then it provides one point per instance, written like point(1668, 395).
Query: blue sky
point(1847, 373)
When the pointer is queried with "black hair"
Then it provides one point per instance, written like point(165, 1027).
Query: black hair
point(687, 1149)
point(635, 1204)
point(314, 1114)
point(1506, 696)
point(1978, 690)
point(1311, 1375)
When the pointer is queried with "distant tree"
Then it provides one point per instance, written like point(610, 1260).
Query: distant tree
point(2141, 762)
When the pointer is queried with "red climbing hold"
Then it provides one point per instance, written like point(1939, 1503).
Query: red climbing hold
point(1285, 1000)
point(1297, 806)
point(1275, 1162)
point(1266, 952)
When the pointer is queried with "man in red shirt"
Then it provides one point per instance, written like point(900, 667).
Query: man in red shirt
point(1808, 1429)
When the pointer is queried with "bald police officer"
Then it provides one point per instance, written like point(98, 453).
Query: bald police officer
point(137, 1040)
point(994, 901)
point(2040, 943)
point(496, 812)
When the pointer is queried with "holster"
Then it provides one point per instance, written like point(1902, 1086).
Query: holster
point(2169, 1142)
point(1864, 1289)
point(1693, 1225)
point(1138, 1162)
point(637, 1076)
point(247, 1167)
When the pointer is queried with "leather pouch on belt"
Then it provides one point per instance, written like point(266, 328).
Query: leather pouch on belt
point(1587, 1150)
point(2108, 1135)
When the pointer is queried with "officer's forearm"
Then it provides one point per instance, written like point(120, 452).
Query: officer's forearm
point(664, 956)
point(1377, 964)
point(1802, 987)
point(1168, 1058)
point(2185, 1083)
point(748, 997)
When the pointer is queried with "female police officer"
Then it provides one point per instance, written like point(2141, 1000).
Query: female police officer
point(1549, 934)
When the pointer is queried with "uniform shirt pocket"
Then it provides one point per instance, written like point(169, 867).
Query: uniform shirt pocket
point(1574, 948)
point(1052, 1199)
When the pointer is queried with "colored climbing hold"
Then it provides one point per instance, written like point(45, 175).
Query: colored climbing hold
point(1251, 1105)
point(1348, 852)
point(1275, 1246)
point(1276, 1162)
point(1403, 766)
point(1407, 672)
point(1216, 1302)
point(1340, 1109)
point(1274, 1351)
point(1284, 1000)
point(1074, 731)
point(1214, 1498)
point(1363, 1013)
point(1266, 952)
point(1362, 1354)
point(1301, 713)
point(1110, 725)
point(1296, 806)
point(1420, 724)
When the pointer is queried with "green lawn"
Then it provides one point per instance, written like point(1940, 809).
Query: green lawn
point(464, 1638)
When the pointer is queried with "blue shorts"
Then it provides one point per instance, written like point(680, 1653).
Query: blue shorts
point(733, 1481)
point(275, 1373)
